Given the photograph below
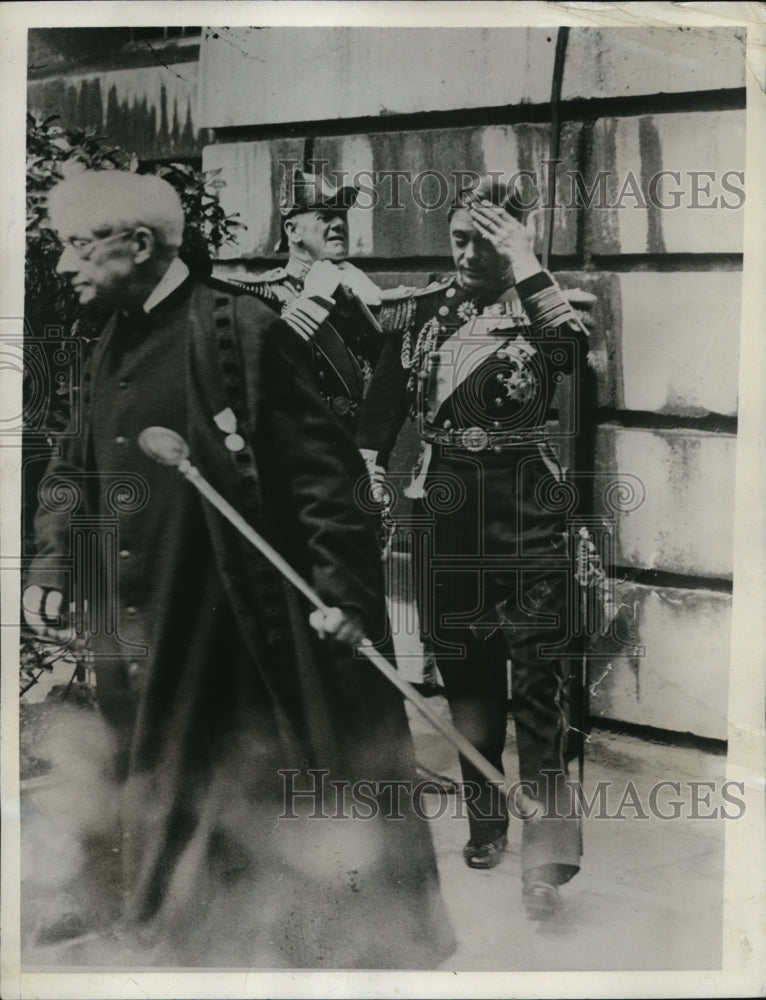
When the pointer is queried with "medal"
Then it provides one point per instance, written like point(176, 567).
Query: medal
point(234, 442)
point(226, 421)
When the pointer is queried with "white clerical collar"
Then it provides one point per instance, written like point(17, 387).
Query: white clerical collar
point(175, 275)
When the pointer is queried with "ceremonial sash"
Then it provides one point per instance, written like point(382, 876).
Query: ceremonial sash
point(332, 347)
point(461, 354)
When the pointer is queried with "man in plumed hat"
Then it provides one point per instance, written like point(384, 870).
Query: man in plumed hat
point(474, 361)
point(325, 299)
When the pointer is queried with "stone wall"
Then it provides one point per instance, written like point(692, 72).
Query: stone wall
point(654, 134)
point(138, 94)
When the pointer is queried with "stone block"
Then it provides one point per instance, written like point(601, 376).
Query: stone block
point(626, 62)
point(636, 208)
point(372, 72)
point(680, 680)
point(601, 374)
point(679, 342)
point(368, 72)
point(680, 516)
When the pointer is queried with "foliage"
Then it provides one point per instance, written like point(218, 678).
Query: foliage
point(198, 191)
point(38, 656)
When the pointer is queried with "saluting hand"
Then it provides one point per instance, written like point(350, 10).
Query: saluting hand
point(511, 239)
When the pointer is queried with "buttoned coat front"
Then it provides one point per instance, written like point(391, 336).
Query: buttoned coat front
point(235, 705)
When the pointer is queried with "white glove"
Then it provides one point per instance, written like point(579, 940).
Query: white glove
point(379, 488)
point(39, 606)
point(343, 626)
point(322, 279)
point(356, 281)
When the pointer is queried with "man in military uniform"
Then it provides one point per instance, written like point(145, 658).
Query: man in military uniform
point(324, 298)
point(475, 360)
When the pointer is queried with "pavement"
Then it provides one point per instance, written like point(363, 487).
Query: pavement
point(650, 891)
point(649, 895)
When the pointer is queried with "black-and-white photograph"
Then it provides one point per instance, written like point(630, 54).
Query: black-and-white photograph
point(383, 546)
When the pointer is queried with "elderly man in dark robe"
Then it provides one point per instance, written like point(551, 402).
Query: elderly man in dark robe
point(237, 729)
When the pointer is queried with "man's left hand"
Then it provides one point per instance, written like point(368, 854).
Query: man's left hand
point(344, 626)
point(322, 279)
point(511, 239)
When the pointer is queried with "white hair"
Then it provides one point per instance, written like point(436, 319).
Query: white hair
point(106, 201)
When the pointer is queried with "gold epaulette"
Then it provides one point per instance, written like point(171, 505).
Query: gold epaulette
point(264, 287)
point(397, 313)
point(438, 285)
point(258, 289)
point(275, 274)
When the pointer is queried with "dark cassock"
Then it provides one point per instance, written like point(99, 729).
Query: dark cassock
point(230, 719)
point(476, 370)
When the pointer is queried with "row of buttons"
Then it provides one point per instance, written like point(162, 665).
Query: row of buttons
point(123, 384)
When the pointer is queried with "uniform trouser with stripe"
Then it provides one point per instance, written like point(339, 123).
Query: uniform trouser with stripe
point(476, 689)
point(494, 585)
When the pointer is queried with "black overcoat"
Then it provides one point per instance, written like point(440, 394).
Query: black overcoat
point(236, 704)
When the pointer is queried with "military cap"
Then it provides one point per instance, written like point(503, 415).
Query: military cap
point(310, 191)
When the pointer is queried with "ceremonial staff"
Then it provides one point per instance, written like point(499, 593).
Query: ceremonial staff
point(169, 448)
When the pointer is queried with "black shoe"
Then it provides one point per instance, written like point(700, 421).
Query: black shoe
point(541, 900)
point(487, 855)
point(438, 783)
